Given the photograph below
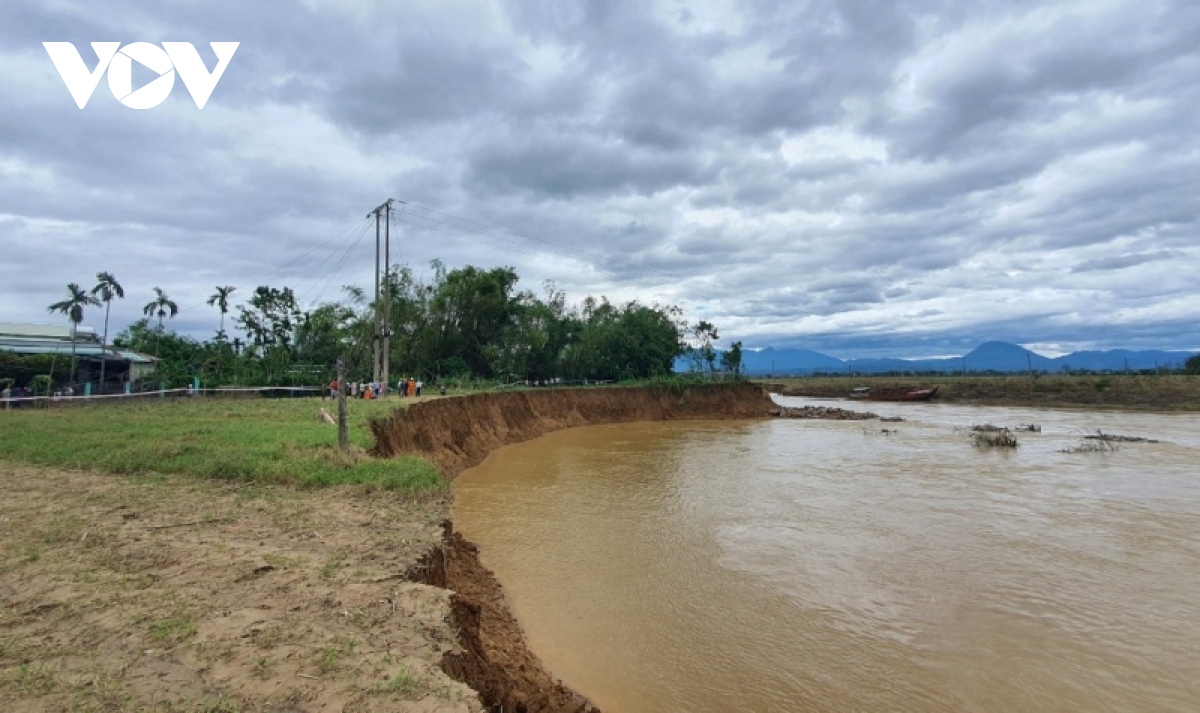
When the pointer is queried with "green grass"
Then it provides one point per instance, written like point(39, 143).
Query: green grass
point(277, 441)
point(404, 682)
point(172, 630)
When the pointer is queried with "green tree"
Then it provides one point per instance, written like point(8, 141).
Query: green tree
point(1192, 365)
point(731, 359)
point(72, 307)
point(179, 357)
point(701, 351)
point(107, 289)
point(220, 299)
point(470, 308)
point(323, 335)
point(162, 306)
point(270, 318)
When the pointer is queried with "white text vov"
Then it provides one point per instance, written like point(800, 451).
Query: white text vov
point(118, 60)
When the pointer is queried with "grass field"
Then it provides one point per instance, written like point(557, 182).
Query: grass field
point(1114, 391)
point(279, 441)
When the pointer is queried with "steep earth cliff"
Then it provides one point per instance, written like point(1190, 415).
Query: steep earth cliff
point(458, 433)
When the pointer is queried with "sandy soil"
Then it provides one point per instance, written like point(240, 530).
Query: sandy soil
point(122, 594)
point(176, 594)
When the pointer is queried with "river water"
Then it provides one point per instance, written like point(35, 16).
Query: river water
point(792, 565)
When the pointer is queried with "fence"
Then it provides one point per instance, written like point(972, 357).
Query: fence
point(141, 396)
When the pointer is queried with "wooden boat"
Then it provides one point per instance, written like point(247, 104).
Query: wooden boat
point(893, 393)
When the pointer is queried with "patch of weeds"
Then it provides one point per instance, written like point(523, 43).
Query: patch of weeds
point(172, 630)
point(281, 562)
point(328, 660)
point(34, 680)
point(60, 529)
point(331, 566)
point(404, 682)
point(263, 667)
point(221, 704)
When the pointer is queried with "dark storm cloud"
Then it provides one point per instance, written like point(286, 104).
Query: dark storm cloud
point(859, 177)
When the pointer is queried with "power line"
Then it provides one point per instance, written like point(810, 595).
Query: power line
point(286, 264)
point(337, 269)
point(335, 260)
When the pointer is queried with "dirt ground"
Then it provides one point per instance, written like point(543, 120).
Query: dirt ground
point(177, 594)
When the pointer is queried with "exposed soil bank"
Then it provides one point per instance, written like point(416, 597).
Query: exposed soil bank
point(1113, 391)
point(459, 433)
point(493, 658)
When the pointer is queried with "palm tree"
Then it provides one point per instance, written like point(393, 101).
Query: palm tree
point(73, 306)
point(107, 289)
point(220, 298)
point(162, 306)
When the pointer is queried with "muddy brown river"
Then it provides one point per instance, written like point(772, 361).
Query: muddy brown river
point(827, 566)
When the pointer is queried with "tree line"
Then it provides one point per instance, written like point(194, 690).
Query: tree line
point(459, 323)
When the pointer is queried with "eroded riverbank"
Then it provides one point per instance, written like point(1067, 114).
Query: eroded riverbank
point(495, 659)
point(169, 589)
point(829, 566)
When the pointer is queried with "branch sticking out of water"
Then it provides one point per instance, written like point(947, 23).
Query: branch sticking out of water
point(999, 438)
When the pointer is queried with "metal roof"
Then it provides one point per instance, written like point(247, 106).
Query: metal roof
point(83, 349)
point(45, 331)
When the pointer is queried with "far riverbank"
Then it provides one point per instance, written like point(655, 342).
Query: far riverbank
point(1111, 391)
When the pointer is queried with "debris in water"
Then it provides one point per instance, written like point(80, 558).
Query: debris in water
point(1101, 436)
point(999, 438)
point(823, 412)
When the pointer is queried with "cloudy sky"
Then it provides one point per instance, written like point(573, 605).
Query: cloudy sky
point(859, 177)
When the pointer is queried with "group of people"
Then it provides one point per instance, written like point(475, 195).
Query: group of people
point(373, 389)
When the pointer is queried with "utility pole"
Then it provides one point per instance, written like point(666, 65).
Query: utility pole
point(375, 337)
point(381, 348)
point(387, 295)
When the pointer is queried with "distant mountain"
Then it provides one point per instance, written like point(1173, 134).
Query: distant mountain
point(993, 356)
point(1120, 359)
point(771, 358)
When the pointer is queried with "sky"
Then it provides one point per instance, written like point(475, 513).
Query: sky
point(861, 178)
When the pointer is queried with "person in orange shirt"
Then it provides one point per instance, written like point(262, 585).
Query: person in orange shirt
point(412, 386)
